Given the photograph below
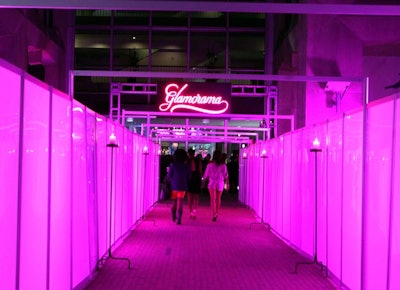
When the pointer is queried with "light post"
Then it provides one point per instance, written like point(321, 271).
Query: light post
point(111, 144)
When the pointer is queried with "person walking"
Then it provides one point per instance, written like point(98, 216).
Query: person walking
point(194, 190)
point(217, 175)
point(233, 171)
point(179, 174)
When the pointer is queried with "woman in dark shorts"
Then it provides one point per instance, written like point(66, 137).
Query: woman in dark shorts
point(179, 174)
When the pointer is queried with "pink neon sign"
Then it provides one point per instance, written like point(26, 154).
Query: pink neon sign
point(175, 98)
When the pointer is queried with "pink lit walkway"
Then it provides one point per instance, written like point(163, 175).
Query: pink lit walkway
point(201, 254)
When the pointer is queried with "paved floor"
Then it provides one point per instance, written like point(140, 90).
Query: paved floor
point(201, 254)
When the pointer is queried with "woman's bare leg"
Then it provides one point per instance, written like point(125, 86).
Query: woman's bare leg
point(218, 201)
point(195, 202)
point(179, 211)
point(212, 201)
point(190, 202)
point(173, 209)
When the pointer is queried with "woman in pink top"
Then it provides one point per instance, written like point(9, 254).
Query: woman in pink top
point(217, 175)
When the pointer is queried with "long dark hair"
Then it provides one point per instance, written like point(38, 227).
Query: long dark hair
point(217, 157)
point(180, 155)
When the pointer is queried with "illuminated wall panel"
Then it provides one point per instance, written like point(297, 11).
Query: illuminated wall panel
point(377, 194)
point(60, 201)
point(394, 277)
point(334, 195)
point(91, 185)
point(10, 94)
point(80, 241)
point(35, 187)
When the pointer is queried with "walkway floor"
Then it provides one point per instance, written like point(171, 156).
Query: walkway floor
point(201, 255)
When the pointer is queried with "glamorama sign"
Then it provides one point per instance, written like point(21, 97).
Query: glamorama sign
point(208, 98)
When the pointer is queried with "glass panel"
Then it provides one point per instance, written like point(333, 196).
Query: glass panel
point(246, 52)
point(92, 49)
point(80, 241)
point(163, 18)
point(98, 17)
point(130, 51)
point(334, 192)
point(208, 19)
point(207, 51)
point(91, 186)
point(35, 187)
point(169, 49)
point(394, 280)
point(10, 96)
point(247, 20)
point(131, 18)
point(94, 93)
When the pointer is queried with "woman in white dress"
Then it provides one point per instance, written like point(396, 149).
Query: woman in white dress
point(217, 175)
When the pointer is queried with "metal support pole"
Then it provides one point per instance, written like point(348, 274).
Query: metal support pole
point(263, 157)
point(315, 256)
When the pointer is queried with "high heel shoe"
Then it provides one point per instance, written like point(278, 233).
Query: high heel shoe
point(214, 219)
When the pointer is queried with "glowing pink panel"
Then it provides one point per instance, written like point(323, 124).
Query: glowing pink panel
point(334, 192)
point(352, 199)
point(394, 277)
point(377, 194)
point(91, 185)
point(80, 242)
point(35, 187)
point(60, 209)
point(10, 83)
